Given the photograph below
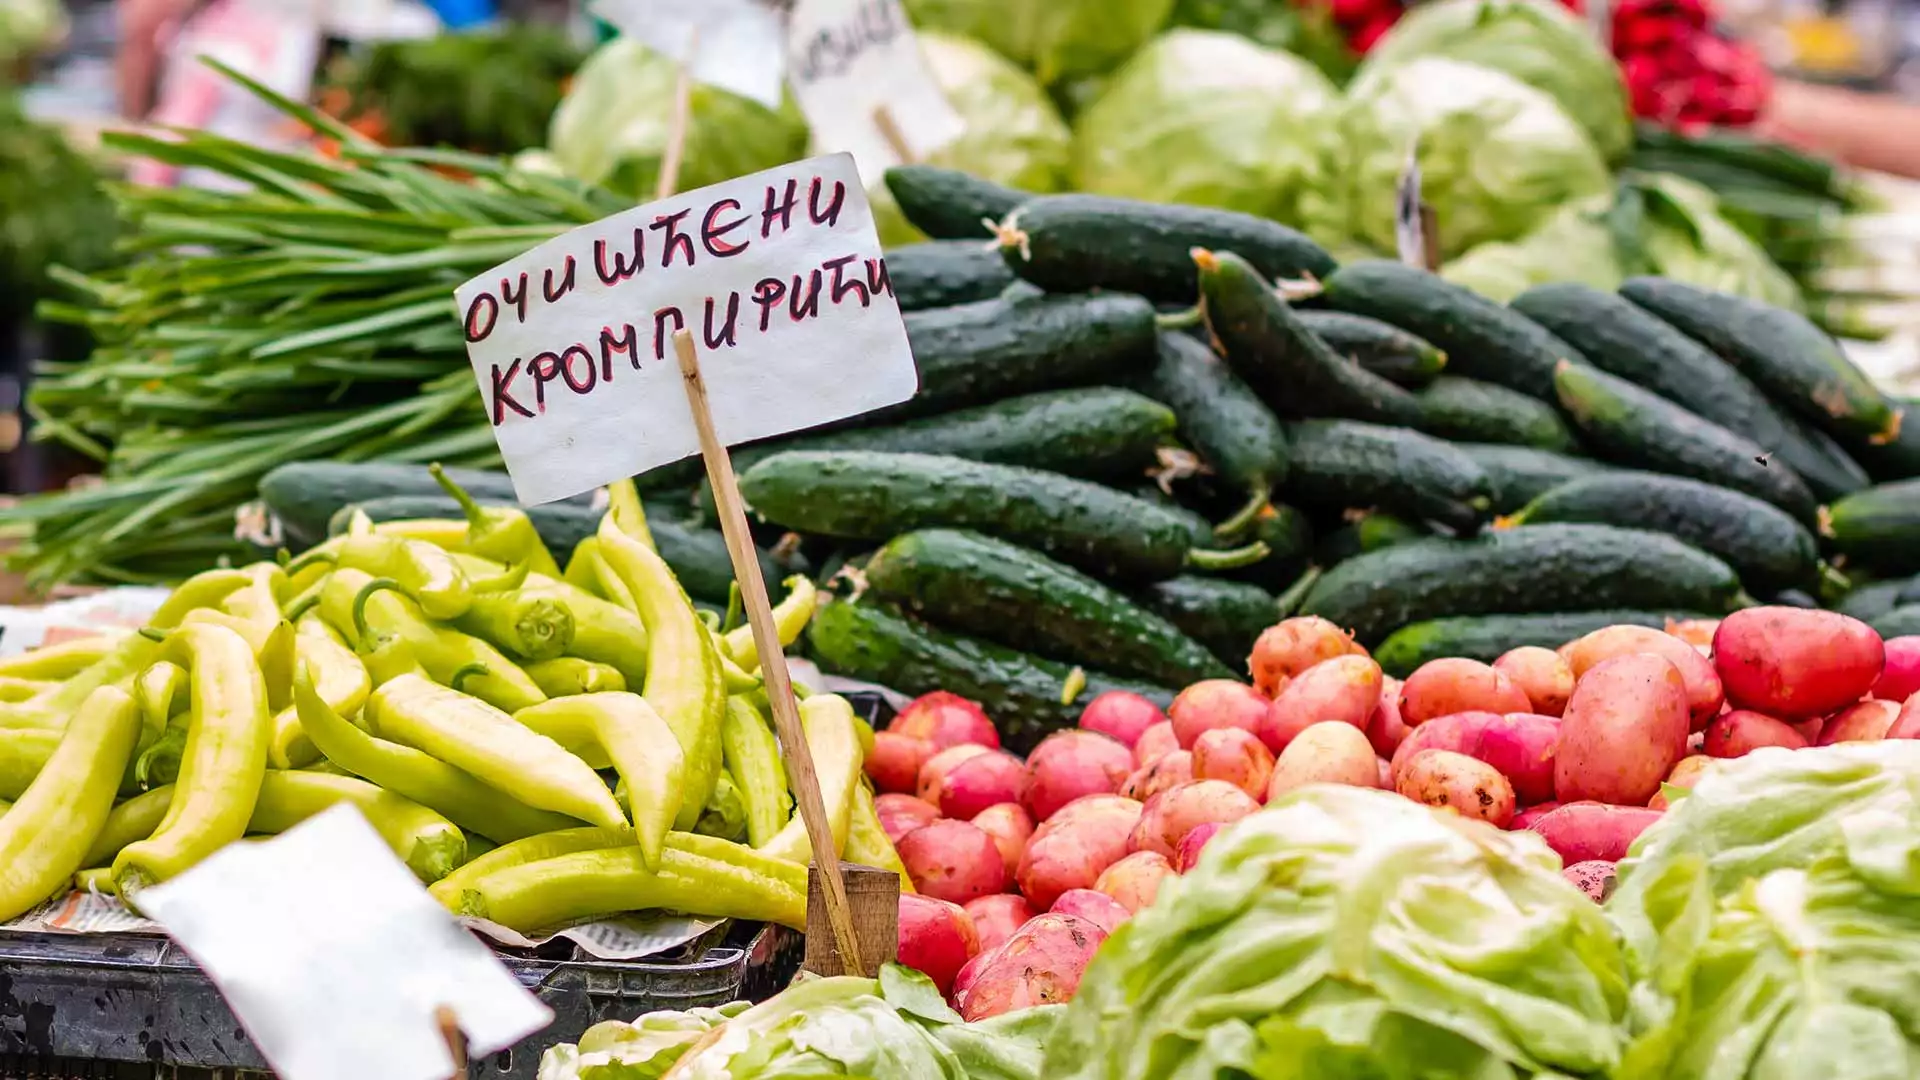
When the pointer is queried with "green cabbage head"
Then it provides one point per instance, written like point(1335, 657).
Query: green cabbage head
point(1497, 157)
point(1351, 934)
point(1054, 39)
point(1574, 245)
point(1539, 42)
point(611, 128)
point(1212, 119)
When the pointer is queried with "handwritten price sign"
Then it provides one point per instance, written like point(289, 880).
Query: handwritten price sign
point(777, 275)
point(859, 76)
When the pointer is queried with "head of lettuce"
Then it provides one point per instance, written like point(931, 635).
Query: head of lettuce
point(1345, 933)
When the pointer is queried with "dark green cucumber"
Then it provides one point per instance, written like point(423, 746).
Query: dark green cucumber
point(1517, 475)
point(862, 495)
point(1764, 545)
point(1486, 637)
point(1898, 458)
point(1482, 339)
point(305, 495)
point(1370, 532)
point(1225, 616)
point(1627, 425)
point(697, 556)
point(1875, 598)
point(1624, 339)
point(1289, 539)
point(1071, 243)
point(1293, 371)
point(1223, 419)
point(973, 354)
point(864, 640)
point(1001, 592)
point(1535, 569)
point(1386, 350)
point(1453, 407)
point(1781, 351)
point(1345, 463)
point(941, 273)
point(1878, 528)
point(1900, 622)
point(948, 204)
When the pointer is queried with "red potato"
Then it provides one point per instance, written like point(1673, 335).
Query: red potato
point(1705, 694)
point(1456, 685)
point(1011, 828)
point(1624, 730)
point(1332, 753)
point(962, 788)
point(1684, 775)
point(1695, 632)
point(1742, 731)
point(1810, 729)
point(1072, 849)
point(1793, 663)
point(1459, 733)
point(1134, 881)
point(1167, 770)
point(1040, 964)
point(1236, 756)
point(1386, 729)
point(1122, 715)
point(1900, 677)
point(1196, 842)
point(937, 938)
point(1094, 906)
point(1583, 831)
point(1345, 689)
point(1069, 764)
point(969, 972)
point(1523, 747)
point(1528, 815)
point(1155, 743)
point(1467, 786)
point(1215, 703)
point(944, 720)
point(953, 860)
point(995, 918)
point(901, 814)
point(1177, 811)
point(1906, 725)
point(1541, 674)
point(1286, 649)
point(894, 765)
point(1593, 877)
point(934, 770)
point(1866, 721)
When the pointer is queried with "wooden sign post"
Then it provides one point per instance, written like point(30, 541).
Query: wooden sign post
point(669, 179)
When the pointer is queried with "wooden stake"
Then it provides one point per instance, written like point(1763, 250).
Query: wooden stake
point(1430, 237)
point(449, 1025)
point(669, 179)
point(773, 660)
point(895, 138)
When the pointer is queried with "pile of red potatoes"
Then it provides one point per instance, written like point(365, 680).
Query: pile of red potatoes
point(1024, 867)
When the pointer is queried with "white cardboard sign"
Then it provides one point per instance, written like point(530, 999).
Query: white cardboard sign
point(737, 45)
point(779, 278)
point(334, 958)
point(848, 60)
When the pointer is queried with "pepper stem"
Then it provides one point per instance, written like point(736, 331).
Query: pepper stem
point(475, 670)
point(1248, 513)
point(475, 514)
point(360, 604)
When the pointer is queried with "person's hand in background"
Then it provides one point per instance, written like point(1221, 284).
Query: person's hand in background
point(145, 28)
point(1868, 131)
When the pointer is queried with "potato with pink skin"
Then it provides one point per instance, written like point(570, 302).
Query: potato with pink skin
point(968, 973)
point(1122, 715)
point(901, 814)
point(1459, 733)
point(1155, 743)
point(1866, 721)
point(894, 765)
point(1523, 747)
point(953, 860)
point(1071, 849)
point(1456, 685)
point(1623, 732)
point(1011, 828)
point(1094, 906)
point(1810, 730)
point(1583, 831)
point(965, 786)
point(1175, 812)
point(1906, 725)
point(1236, 756)
point(1793, 663)
point(945, 720)
point(1134, 881)
point(1742, 731)
point(933, 771)
point(1215, 703)
point(1684, 775)
point(937, 938)
point(1467, 786)
point(1592, 877)
point(1541, 674)
point(1345, 689)
point(1525, 817)
point(1069, 764)
point(1288, 648)
point(1196, 842)
point(1331, 753)
point(1695, 632)
point(995, 918)
point(1900, 676)
point(1705, 694)
point(1167, 770)
point(1385, 728)
point(1040, 964)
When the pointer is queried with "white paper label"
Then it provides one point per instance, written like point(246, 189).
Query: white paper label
point(737, 45)
point(851, 62)
point(334, 958)
point(779, 278)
